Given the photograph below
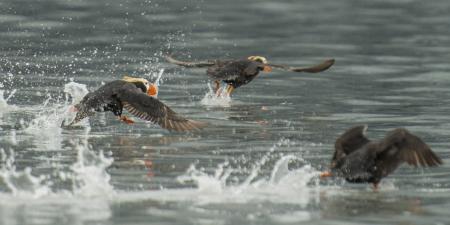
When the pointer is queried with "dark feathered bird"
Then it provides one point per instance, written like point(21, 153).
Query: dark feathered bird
point(240, 72)
point(136, 96)
point(360, 160)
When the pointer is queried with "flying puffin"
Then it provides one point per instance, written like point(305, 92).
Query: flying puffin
point(138, 97)
point(360, 160)
point(236, 73)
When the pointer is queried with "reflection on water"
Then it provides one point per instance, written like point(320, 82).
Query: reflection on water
point(257, 161)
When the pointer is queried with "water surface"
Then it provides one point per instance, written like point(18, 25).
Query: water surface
point(257, 163)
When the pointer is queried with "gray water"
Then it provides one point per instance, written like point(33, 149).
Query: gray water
point(257, 162)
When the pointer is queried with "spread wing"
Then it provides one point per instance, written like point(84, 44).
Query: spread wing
point(189, 64)
point(400, 146)
point(148, 108)
point(312, 69)
point(353, 139)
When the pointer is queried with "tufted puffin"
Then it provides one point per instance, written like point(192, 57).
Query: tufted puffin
point(137, 96)
point(236, 73)
point(360, 160)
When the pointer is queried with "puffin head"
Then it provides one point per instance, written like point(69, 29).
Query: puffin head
point(261, 60)
point(146, 87)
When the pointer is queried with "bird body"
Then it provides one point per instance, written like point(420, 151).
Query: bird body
point(360, 160)
point(135, 95)
point(236, 73)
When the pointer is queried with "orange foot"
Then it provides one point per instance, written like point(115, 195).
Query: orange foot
point(325, 174)
point(126, 119)
point(149, 164)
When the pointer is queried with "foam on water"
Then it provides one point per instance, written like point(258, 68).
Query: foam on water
point(213, 99)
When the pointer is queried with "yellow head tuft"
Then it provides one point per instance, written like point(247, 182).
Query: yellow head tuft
point(134, 79)
point(258, 59)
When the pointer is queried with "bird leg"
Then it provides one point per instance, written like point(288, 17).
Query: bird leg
point(125, 119)
point(325, 174)
point(149, 165)
point(217, 86)
point(376, 187)
point(230, 90)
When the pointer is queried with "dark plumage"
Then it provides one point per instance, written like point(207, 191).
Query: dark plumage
point(236, 73)
point(133, 94)
point(360, 160)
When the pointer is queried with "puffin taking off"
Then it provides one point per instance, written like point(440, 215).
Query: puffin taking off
point(360, 160)
point(236, 73)
point(136, 95)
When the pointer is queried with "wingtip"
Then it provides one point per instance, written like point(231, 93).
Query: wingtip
point(328, 63)
point(186, 126)
point(197, 125)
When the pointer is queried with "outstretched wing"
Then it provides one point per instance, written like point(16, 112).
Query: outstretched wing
point(400, 146)
point(353, 139)
point(189, 64)
point(312, 69)
point(148, 108)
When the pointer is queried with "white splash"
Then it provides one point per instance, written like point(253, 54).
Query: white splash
point(4, 106)
point(157, 82)
point(49, 119)
point(297, 186)
point(21, 183)
point(76, 91)
point(221, 98)
point(158, 78)
point(90, 177)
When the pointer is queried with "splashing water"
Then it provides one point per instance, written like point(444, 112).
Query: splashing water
point(157, 82)
point(88, 175)
point(4, 101)
point(297, 186)
point(213, 99)
point(51, 118)
point(158, 78)
point(21, 183)
point(76, 91)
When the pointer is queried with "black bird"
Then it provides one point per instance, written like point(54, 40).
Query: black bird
point(135, 95)
point(236, 73)
point(360, 160)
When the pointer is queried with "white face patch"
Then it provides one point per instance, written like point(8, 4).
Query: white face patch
point(258, 59)
point(136, 79)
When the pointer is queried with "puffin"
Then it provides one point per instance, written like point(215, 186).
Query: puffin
point(360, 160)
point(138, 97)
point(236, 73)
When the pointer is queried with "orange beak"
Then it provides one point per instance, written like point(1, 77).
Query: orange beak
point(267, 69)
point(152, 90)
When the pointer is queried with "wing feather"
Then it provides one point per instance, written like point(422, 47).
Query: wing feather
point(312, 69)
point(350, 141)
point(151, 109)
point(400, 145)
point(199, 64)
